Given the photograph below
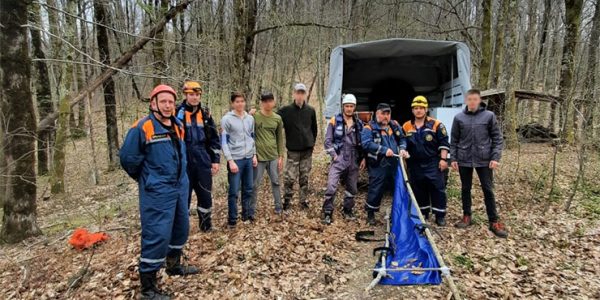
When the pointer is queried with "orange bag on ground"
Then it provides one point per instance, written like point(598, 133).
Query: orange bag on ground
point(83, 239)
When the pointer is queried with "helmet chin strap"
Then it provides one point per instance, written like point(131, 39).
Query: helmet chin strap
point(158, 112)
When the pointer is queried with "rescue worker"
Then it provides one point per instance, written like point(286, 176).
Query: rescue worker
point(203, 147)
point(383, 142)
point(476, 143)
point(427, 144)
point(343, 144)
point(154, 155)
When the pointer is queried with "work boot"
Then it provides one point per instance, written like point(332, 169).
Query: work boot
point(498, 229)
point(349, 214)
point(464, 223)
point(286, 204)
point(149, 288)
point(371, 218)
point(327, 219)
point(205, 221)
point(440, 221)
point(175, 268)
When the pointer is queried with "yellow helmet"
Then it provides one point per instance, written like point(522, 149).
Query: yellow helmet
point(419, 101)
point(192, 87)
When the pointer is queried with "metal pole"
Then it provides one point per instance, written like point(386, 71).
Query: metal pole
point(440, 259)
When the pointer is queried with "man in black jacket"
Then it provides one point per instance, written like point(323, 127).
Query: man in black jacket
point(476, 143)
point(300, 126)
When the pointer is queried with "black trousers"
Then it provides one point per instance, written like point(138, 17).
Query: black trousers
point(486, 178)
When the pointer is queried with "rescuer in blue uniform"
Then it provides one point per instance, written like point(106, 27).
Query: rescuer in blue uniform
point(383, 141)
point(427, 144)
point(203, 147)
point(154, 155)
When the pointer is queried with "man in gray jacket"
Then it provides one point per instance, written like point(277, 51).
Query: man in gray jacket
point(237, 141)
point(476, 143)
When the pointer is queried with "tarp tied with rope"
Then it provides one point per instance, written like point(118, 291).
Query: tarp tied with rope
point(410, 248)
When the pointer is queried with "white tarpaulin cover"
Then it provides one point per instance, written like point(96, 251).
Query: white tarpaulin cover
point(395, 70)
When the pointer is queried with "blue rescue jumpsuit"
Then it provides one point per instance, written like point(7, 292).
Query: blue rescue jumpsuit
point(201, 153)
point(154, 156)
point(382, 170)
point(424, 145)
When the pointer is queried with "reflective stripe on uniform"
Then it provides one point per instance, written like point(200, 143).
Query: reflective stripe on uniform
point(204, 210)
point(152, 261)
point(424, 207)
point(348, 194)
point(372, 207)
point(176, 246)
point(438, 210)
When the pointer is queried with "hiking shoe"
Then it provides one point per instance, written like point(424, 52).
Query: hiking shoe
point(205, 221)
point(231, 225)
point(349, 215)
point(498, 229)
point(286, 205)
point(327, 219)
point(371, 218)
point(464, 223)
point(304, 205)
point(440, 221)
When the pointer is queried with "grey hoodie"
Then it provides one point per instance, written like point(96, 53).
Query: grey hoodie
point(237, 138)
point(476, 138)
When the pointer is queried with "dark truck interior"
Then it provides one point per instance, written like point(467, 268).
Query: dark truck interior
point(397, 80)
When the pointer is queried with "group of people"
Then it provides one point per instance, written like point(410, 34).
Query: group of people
point(176, 149)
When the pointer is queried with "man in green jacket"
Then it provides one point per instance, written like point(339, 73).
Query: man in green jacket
point(268, 130)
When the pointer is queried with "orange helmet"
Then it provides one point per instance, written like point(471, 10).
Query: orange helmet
point(162, 88)
point(192, 87)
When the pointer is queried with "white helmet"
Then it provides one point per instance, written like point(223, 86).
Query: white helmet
point(349, 99)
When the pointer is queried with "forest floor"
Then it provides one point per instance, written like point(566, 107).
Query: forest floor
point(550, 254)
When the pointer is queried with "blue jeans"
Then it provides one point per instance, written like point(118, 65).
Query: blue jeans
point(242, 179)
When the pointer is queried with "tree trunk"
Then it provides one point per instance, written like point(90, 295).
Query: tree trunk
point(510, 113)
point(573, 16)
point(486, 45)
point(498, 65)
point(592, 94)
point(110, 102)
point(245, 11)
point(66, 121)
point(158, 49)
point(42, 89)
point(19, 220)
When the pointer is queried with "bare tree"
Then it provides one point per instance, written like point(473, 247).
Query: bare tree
point(572, 21)
point(19, 220)
point(42, 88)
point(110, 102)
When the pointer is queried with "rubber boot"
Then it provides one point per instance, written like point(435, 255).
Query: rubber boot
point(149, 288)
point(175, 268)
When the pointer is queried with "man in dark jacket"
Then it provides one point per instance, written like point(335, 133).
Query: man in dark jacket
point(383, 141)
point(300, 126)
point(476, 143)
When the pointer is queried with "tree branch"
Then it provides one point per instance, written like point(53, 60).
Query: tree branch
point(296, 24)
point(119, 63)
